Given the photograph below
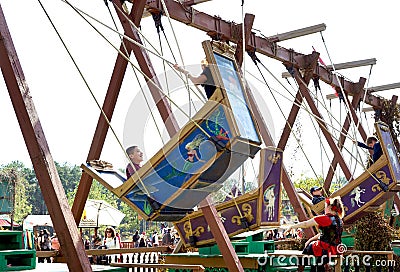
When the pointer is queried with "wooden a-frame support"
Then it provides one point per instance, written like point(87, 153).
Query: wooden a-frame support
point(230, 257)
point(229, 31)
point(39, 152)
point(220, 29)
point(215, 27)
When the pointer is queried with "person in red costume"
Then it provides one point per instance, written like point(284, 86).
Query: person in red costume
point(327, 242)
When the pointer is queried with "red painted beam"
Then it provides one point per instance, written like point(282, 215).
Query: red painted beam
point(248, 25)
point(39, 152)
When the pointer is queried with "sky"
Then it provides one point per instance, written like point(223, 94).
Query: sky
point(356, 30)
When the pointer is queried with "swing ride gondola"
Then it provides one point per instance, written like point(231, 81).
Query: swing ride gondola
point(379, 183)
point(258, 208)
point(166, 171)
point(169, 185)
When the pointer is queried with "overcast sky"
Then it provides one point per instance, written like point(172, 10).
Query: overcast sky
point(356, 30)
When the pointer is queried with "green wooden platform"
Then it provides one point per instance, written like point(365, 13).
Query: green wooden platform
point(13, 256)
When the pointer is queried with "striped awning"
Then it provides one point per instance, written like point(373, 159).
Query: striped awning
point(6, 223)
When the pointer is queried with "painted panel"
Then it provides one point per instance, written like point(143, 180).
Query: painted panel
point(366, 192)
point(271, 186)
point(236, 97)
point(391, 149)
point(260, 207)
point(180, 167)
point(230, 217)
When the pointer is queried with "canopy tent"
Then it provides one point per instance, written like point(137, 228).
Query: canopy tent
point(100, 212)
point(36, 220)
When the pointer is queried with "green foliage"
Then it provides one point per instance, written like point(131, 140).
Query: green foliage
point(14, 173)
point(306, 183)
point(69, 176)
point(390, 114)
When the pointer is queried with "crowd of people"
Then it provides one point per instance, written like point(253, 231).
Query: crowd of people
point(44, 241)
point(166, 237)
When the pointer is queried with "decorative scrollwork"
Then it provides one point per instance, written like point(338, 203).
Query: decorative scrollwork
point(382, 176)
point(188, 230)
point(274, 158)
point(376, 188)
point(385, 128)
point(247, 213)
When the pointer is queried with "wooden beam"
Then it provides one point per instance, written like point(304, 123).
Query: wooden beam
point(227, 31)
point(229, 255)
point(346, 125)
point(298, 100)
point(248, 25)
point(109, 103)
point(146, 67)
point(39, 152)
point(193, 2)
point(384, 87)
point(297, 33)
point(321, 123)
point(372, 89)
point(297, 103)
point(352, 64)
point(368, 109)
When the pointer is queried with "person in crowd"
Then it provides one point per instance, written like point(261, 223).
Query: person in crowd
point(166, 239)
point(95, 239)
point(326, 242)
point(44, 242)
point(86, 242)
point(205, 79)
point(111, 240)
point(136, 157)
point(142, 240)
point(135, 239)
point(154, 239)
point(316, 193)
point(97, 242)
point(55, 244)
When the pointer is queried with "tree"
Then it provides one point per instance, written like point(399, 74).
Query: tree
point(306, 183)
point(13, 174)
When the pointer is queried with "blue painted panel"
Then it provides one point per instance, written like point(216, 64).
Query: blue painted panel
point(241, 111)
point(181, 164)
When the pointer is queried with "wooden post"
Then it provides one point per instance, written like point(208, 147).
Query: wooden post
point(325, 131)
point(346, 125)
point(221, 237)
point(43, 164)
